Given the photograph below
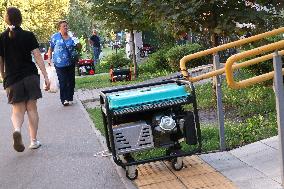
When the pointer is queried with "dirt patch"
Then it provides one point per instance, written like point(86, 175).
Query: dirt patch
point(207, 116)
point(92, 105)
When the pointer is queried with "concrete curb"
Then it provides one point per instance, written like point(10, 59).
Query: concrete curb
point(121, 172)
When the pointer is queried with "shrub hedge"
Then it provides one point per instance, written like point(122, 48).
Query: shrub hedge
point(156, 61)
point(176, 53)
point(117, 60)
point(168, 59)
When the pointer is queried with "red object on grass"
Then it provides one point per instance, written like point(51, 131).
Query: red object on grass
point(91, 72)
point(85, 61)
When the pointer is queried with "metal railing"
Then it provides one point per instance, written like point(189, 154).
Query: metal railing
point(215, 50)
point(230, 66)
point(234, 67)
point(257, 79)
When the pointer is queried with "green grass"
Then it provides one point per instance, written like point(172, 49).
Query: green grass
point(254, 100)
point(236, 134)
point(147, 154)
point(97, 118)
point(103, 80)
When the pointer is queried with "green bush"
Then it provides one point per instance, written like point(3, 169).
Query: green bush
point(156, 62)
point(258, 98)
point(84, 53)
point(260, 68)
point(117, 60)
point(176, 53)
point(168, 58)
point(265, 66)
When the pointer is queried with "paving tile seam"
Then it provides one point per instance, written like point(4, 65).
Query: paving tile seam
point(276, 181)
point(159, 182)
point(269, 145)
point(218, 172)
point(177, 178)
point(265, 175)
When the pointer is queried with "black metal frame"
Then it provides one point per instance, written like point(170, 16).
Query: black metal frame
point(107, 115)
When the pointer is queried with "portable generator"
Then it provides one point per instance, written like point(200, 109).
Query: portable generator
point(148, 116)
point(120, 74)
point(85, 67)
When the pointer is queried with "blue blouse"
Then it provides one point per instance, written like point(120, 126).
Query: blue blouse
point(61, 57)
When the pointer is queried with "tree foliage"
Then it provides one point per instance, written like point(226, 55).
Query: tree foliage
point(216, 17)
point(79, 19)
point(121, 15)
point(39, 16)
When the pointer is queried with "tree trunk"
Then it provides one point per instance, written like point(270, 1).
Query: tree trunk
point(134, 61)
point(88, 46)
point(214, 40)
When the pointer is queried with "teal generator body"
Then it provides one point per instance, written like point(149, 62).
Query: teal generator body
point(146, 96)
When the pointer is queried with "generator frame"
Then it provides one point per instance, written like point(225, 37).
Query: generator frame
point(108, 115)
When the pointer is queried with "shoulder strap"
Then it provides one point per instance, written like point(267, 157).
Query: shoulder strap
point(68, 52)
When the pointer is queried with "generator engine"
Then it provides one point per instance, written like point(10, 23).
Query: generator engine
point(164, 123)
point(164, 126)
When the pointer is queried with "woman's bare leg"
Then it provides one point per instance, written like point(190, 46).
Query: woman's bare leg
point(18, 113)
point(33, 118)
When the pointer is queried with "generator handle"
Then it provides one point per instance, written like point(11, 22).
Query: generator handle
point(184, 82)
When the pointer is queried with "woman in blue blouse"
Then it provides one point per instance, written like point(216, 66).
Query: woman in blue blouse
point(61, 49)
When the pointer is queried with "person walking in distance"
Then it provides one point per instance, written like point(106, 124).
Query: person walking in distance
point(62, 48)
point(95, 43)
point(20, 76)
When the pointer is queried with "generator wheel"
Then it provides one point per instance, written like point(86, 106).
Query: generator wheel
point(142, 54)
point(133, 175)
point(177, 163)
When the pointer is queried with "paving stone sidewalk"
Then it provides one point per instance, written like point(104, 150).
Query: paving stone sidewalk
point(65, 159)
